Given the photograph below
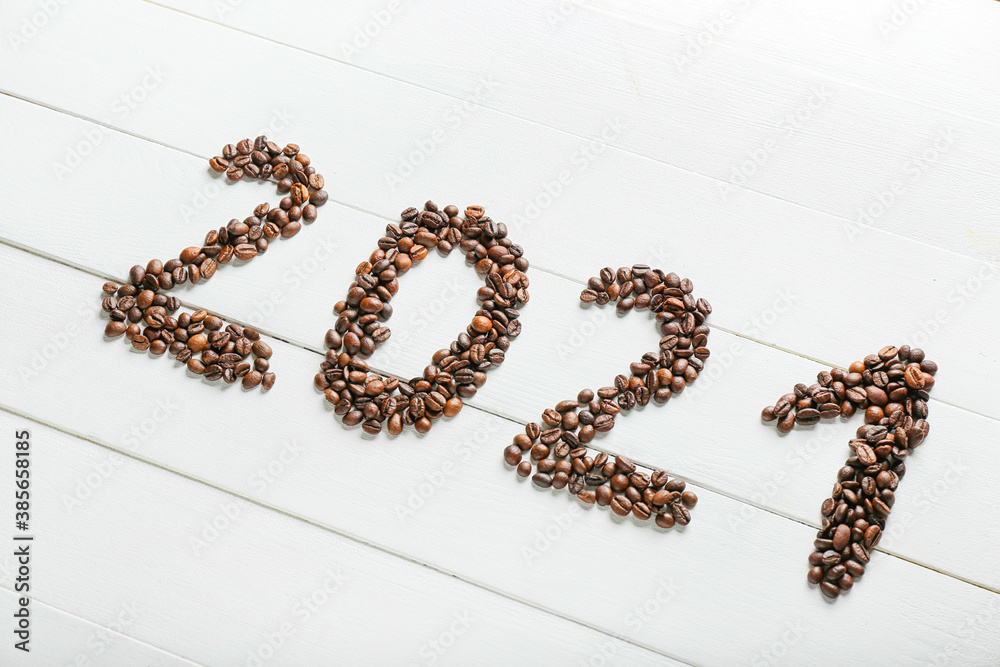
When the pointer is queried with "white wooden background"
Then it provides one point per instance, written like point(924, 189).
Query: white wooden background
point(825, 173)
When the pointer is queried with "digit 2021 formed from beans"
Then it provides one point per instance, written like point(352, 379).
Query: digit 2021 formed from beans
point(892, 386)
point(557, 446)
point(456, 372)
point(141, 311)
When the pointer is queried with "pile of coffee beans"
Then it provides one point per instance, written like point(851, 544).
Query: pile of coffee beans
point(140, 311)
point(556, 446)
point(361, 396)
point(892, 388)
point(876, 385)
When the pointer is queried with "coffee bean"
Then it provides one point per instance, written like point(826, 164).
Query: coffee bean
point(252, 379)
point(892, 386)
point(512, 455)
point(829, 590)
point(114, 329)
point(681, 514)
point(621, 505)
point(541, 480)
point(841, 537)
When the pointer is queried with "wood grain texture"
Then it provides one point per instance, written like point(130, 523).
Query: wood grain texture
point(601, 139)
point(64, 639)
point(223, 581)
point(289, 293)
point(801, 246)
point(711, 87)
point(512, 538)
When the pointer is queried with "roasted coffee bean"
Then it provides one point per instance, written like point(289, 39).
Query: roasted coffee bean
point(456, 372)
point(621, 505)
point(512, 455)
point(892, 388)
point(681, 514)
point(252, 379)
point(240, 239)
point(541, 480)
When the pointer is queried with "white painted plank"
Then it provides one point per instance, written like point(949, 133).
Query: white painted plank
point(905, 120)
point(897, 48)
point(59, 638)
point(470, 516)
point(891, 47)
point(306, 275)
point(954, 293)
point(227, 582)
point(589, 346)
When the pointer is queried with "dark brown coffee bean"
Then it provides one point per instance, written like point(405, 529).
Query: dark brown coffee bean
point(252, 379)
point(681, 514)
point(621, 505)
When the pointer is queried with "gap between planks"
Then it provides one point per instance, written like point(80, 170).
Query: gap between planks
point(88, 622)
point(749, 53)
point(599, 141)
point(607, 14)
point(513, 420)
point(340, 533)
point(551, 272)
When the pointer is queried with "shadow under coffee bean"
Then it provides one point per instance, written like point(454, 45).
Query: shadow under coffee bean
point(140, 311)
